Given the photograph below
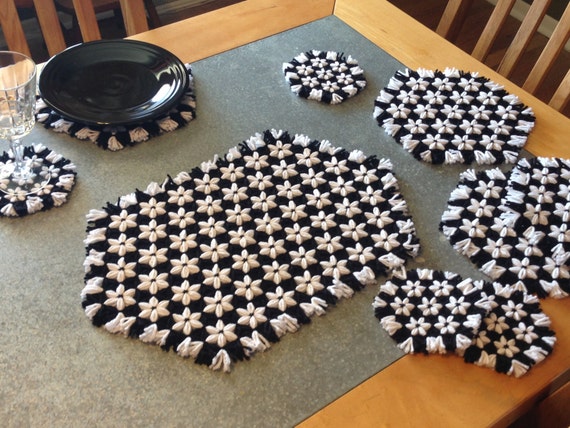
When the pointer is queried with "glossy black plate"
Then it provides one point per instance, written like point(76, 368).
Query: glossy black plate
point(113, 82)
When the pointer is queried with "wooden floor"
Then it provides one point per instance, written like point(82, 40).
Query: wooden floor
point(428, 12)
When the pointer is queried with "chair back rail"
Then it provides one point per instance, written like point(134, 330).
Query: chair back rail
point(454, 16)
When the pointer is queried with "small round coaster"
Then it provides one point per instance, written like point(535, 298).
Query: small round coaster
point(59, 173)
point(328, 77)
point(116, 138)
point(515, 334)
point(430, 311)
point(514, 227)
point(453, 117)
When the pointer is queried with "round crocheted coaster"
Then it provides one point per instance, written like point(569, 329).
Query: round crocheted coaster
point(58, 172)
point(514, 335)
point(220, 262)
point(328, 77)
point(430, 311)
point(453, 117)
point(118, 137)
point(514, 227)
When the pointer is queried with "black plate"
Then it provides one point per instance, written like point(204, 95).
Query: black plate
point(113, 82)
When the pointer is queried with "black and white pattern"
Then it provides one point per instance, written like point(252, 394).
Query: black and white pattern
point(514, 226)
point(220, 262)
point(118, 137)
point(453, 117)
point(328, 77)
point(515, 334)
point(58, 175)
point(431, 311)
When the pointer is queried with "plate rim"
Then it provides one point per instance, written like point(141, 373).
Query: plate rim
point(165, 107)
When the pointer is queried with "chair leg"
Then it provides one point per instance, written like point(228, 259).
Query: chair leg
point(153, 16)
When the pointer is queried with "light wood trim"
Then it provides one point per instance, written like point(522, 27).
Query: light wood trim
point(498, 17)
point(554, 46)
point(50, 26)
point(453, 18)
point(12, 28)
point(521, 40)
point(562, 94)
point(87, 20)
point(134, 16)
point(235, 25)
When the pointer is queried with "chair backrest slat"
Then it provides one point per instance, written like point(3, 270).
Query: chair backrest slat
point(490, 32)
point(527, 29)
point(562, 95)
point(555, 44)
point(452, 19)
point(12, 28)
point(455, 15)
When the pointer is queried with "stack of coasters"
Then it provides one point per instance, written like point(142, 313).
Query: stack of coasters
point(431, 311)
point(118, 137)
point(514, 226)
point(453, 117)
point(59, 178)
point(514, 336)
point(490, 325)
point(327, 77)
point(220, 262)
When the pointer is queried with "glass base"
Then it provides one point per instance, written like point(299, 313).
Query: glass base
point(31, 178)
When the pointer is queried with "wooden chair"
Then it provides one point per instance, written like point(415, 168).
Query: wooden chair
point(133, 11)
point(49, 25)
point(67, 6)
point(134, 16)
point(456, 12)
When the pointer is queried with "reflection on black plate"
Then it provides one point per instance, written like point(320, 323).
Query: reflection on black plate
point(114, 82)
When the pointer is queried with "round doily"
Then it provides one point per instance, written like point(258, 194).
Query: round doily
point(118, 137)
point(430, 311)
point(453, 117)
point(59, 173)
point(514, 226)
point(328, 77)
point(515, 334)
point(220, 262)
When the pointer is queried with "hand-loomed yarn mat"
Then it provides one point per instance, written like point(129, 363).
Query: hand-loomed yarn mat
point(453, 117)
point(514, 226)
point(220, 262)
point(328, 77)
point(490, 325)
point(120, 136)
point(58, 176)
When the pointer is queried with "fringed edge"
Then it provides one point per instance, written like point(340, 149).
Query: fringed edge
point(116, 138)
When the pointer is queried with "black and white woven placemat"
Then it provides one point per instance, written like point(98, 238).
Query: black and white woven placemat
point(452, 117)
point(118, 137)
point(324, 76)
point(514, 336)
point(514, 226)
point(220, 262)
point(431, 311)
point(57, 173)
point(488, 324)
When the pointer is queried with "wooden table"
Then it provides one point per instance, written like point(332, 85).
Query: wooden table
point(415, 390)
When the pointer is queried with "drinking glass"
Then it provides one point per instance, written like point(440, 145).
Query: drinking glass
point(19, 176)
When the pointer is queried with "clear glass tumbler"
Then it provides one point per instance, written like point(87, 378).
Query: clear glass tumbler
point(19, 176)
